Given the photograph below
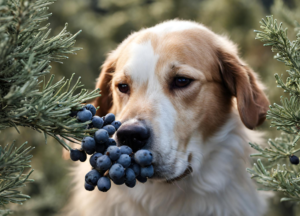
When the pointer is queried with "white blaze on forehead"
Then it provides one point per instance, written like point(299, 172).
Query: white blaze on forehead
point(174, 25)
point(142, 62)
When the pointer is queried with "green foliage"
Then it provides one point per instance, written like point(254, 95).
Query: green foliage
point(13, 162)
point(286, 117)
point(26, 98)
point(25, 56)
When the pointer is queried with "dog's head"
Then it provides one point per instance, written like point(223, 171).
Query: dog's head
point(172, 85)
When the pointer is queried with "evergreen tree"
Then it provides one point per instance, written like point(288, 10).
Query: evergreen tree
point(28, 98)
point(280, 173)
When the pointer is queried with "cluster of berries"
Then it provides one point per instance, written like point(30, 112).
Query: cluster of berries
point(108, 161)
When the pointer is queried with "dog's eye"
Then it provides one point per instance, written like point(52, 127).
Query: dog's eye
point(124, 88)
point(181, 82)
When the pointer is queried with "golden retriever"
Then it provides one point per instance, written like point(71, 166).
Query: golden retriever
point(188, 88)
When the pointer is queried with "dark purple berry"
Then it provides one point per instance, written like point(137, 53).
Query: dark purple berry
point(147, 171)
point(136, 168)
point(113, 152)
point(82, 156)
point(84, 115)
point(126, 150)
point(103, 163)
point(101, 136)
point(88, 187)
point(92, 177)
point(100, 148)
point(294, 159)
point(119, 181)
point(130, 184)
point(111, 142)
point(116, 172)
point(103, 184)
point(143, 157)
point(93, 159)
point(110, 129)
point(88, 145)
point(116, 124)
point(124, 160)
point(75, 154)
point(109, 118)
point(97, 122)
point(141, 179)
point(91, 108)
point(129, 175)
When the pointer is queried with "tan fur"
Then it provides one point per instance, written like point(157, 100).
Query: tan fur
point(200, 50)
point(201, 112)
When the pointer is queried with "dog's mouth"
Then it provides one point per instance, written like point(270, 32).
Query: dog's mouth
point(188, 171)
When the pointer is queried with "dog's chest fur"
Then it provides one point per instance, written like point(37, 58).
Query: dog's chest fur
point(220, 187)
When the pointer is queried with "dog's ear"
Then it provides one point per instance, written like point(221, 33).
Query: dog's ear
point(104, 82)
point(242, 82)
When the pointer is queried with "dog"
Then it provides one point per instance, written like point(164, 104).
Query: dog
point(182, 92)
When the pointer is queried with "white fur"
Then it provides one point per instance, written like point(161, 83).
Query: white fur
point(173, 26)
point(142, 62)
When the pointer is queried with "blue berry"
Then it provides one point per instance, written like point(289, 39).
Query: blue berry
point(116, 124)
point(101, 136)
point(73, 113)
point(93, 159)
point(130, 184)
point(103, 163)
point(109, 118)
point(111, 142)
point(100, 148)
point(113, 152)
point(116, 172)
point(91, 108)
point(88, 145)
point(119, 181)
point(84, 115)
point(88, 187)
point(129, 175)
point(92, 177)
point(126, 150)
point(141, 179)
point(103, 184)
point(143, 157)
point(147, 171)
point(82, 156)
point(124, 160)
point(75, 154)
point(294, 159)
point(97, 122)
point(110, 129)
point(136, 168)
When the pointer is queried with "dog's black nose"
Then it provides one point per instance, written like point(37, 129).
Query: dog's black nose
point(133, 135)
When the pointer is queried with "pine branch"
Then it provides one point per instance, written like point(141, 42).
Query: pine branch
point(286, 117)
point(287, 51)
point(48, 110)
point(13, 162)
point(25, 57)
point(280, 179)
point(26, 98)
point(279, 148)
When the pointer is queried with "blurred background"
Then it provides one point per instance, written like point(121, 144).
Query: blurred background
point(105, 23)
